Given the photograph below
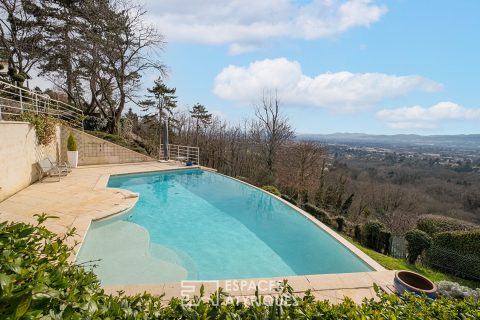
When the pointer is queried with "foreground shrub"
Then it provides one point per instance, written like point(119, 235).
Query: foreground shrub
point(37, 282)
point(272, 190)
point(457, 253)
point(318, 213)
point(417, 242)
point(432, 224)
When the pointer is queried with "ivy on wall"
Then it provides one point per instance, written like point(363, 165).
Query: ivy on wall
point(45, 127)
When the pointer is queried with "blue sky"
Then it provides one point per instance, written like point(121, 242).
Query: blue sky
point(399, 66)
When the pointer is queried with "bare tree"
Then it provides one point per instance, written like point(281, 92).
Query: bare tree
point(304, 159)
point(130, 48)
point(275, 130)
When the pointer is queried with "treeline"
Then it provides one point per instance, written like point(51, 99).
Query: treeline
point(93, 51)
point(264, 151)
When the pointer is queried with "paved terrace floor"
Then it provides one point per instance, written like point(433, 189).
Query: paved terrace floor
point(77, 198)
point(82, 197)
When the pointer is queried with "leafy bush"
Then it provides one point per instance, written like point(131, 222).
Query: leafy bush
point(453, 290)
point(45, 127)
point(272, 190)
point(95, 123)
point(357, 233)
point(318, 213)
point(289, 199)
point(38, 282)
point(242, 178)
point(71, 143)
point(372, 238)
point(340, 223)
point(457, 253)
point(418, 241)
point(432, 224)
point(385, 237)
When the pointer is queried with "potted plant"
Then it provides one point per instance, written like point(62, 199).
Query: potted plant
point(72, 152)
point(408, 281)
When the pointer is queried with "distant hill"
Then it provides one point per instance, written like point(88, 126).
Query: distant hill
point(470, 141)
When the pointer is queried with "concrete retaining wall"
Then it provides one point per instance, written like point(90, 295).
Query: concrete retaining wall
point(19, 153)
point(93, 150)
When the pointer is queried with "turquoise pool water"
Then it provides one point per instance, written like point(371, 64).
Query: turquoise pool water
point(199, 225)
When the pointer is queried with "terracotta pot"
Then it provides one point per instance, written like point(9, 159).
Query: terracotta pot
point(408, 281)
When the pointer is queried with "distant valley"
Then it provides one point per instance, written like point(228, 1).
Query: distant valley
point(466, 142)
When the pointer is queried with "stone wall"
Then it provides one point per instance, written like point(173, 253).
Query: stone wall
point(93, 150)
point(19, 154)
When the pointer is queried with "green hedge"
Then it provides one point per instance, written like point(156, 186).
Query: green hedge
point(272, 190)
point(37, 282)
point(376, 237)
point(418, 242)
point(318, 213)
point(341, 223)
point(432, 224)
point(289, 199)
point(461, 241)
point(457, 253)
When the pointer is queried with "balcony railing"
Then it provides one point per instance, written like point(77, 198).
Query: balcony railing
point(181, 153)
point(15, 101)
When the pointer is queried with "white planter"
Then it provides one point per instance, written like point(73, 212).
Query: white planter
point(72, 158)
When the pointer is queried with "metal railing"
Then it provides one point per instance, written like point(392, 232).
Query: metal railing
point(15, 101)
point(181, 153)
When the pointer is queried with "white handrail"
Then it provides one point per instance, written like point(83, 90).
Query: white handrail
point(15, 100)
point(181, 153)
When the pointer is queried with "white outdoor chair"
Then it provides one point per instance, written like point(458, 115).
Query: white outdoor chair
point(60, 164)
point(47, 169)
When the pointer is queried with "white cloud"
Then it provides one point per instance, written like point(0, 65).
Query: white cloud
point(341, 91)
point(418, 117)
point(238, 23)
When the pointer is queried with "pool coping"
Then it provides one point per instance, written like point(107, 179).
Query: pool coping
point(332, 287)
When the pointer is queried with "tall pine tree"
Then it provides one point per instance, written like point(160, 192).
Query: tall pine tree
point(202, 118)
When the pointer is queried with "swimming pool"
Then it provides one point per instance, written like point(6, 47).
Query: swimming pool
point(198, 225)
